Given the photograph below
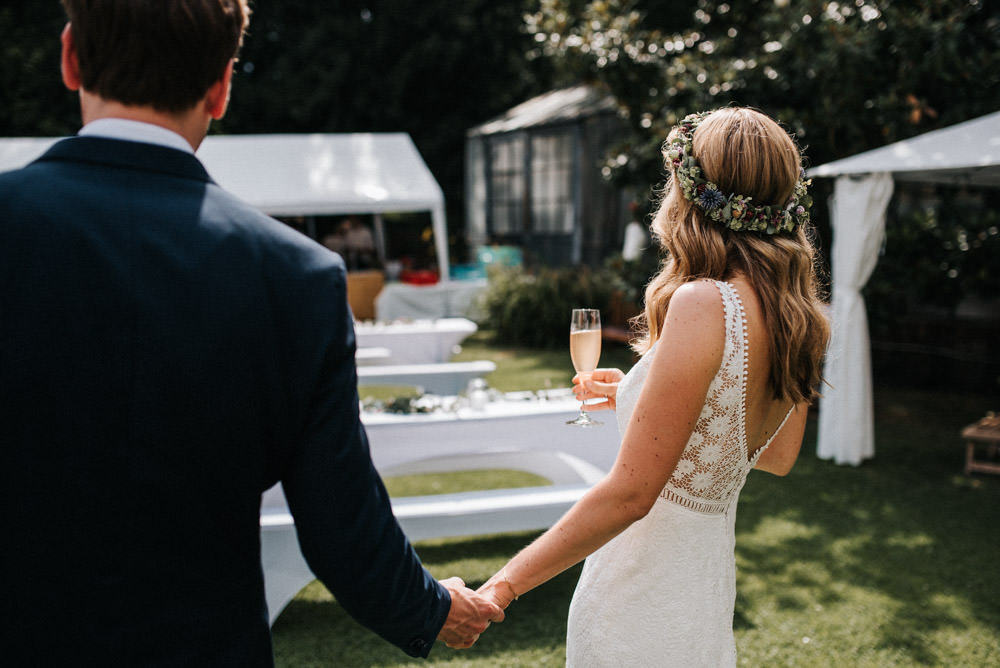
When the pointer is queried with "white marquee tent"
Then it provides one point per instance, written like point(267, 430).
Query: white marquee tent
point(966, 153)
point(309, 175)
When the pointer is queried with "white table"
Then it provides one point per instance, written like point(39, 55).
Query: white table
point(400, 442)
point(446, 299)
point(417, 341)
point(514, 434)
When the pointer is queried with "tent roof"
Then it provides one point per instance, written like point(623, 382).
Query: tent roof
point(317, 174)
point(307, 174)
point(965, 153)
point(301, 174)
point(551, 108)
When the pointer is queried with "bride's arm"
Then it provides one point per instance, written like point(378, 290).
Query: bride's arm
point(686, 359)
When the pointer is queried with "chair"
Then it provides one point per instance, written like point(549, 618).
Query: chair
point(362, 289)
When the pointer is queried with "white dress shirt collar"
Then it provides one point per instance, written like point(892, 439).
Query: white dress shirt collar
point(120, 128)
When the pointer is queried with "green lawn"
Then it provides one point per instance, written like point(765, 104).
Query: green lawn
point(894, 563)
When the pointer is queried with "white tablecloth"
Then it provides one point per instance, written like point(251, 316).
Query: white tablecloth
point(447, 299)
point(399, 441)
point(417, 342)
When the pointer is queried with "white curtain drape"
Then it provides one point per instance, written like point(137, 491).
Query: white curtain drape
point(846, 413)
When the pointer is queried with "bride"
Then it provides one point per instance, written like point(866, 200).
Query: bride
point(732, 342)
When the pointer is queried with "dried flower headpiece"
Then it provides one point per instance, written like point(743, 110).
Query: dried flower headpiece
point(737, 212)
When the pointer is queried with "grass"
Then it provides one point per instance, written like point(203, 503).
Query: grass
point(893, 563)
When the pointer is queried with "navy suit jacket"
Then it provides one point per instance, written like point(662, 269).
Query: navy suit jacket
point(167, 353)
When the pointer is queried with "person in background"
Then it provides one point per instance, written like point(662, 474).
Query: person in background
point(359, 245)
point(734, 336)
point(167, 354)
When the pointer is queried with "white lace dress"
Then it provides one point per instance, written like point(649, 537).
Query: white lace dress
point(662, 592)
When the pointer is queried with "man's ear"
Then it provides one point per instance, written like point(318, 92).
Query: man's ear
point(69, 64)
point(217, 98)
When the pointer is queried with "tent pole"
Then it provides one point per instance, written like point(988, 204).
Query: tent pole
point(440, 225)
point(380, 238)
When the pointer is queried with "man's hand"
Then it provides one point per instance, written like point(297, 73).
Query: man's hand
point(469, 616)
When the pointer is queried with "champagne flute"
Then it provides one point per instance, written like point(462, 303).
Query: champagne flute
point(585, 350)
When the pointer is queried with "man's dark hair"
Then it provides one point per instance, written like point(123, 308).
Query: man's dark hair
point(160, 53)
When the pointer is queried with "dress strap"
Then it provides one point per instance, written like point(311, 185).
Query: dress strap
point(758, 451)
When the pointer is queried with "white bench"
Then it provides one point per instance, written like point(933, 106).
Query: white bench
point(436, 516)
point(416, 342)
point(446, 378)
point(372, 355)
point(485, 511)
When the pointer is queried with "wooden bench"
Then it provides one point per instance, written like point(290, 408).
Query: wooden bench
point(446, 378)
point(984, 435)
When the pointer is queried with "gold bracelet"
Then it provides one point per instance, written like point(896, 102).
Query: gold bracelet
point(503, 574)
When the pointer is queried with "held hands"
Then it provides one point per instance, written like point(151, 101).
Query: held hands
point(468, 617)
point(498, 590)
point(602, 384)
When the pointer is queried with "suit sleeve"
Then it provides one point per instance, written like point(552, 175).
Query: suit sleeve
point(346, 528)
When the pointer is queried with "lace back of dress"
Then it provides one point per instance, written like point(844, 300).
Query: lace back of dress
point(714, 464)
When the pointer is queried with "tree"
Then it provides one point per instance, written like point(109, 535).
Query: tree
point(431, 68)
point(843, 76)
point(35, 102)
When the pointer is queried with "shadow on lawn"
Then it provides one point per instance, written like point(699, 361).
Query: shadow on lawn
point(315, 631)
point(894, 543)
point(905, 533)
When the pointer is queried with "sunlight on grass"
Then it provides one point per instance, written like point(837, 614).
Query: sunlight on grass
point(460, 481)
point(892, 564)
point(528, 369)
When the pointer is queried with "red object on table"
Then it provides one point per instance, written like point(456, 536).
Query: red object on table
point(418, 277)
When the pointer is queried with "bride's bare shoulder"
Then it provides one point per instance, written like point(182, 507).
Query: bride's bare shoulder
point(696, 297)
point(695, 319)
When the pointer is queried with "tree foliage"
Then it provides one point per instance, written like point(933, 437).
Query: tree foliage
point(429, 68)
point(34, 101)
point(843, 76)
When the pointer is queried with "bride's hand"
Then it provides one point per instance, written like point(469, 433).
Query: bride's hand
point(602, 384)
point(497, 590)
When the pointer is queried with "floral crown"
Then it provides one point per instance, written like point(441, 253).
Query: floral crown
point(737, 212)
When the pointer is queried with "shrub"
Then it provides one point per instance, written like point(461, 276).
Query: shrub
point(533, 309)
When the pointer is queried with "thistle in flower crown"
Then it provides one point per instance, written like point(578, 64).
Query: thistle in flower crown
point(734, 211)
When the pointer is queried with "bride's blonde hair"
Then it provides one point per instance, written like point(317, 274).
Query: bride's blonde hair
point(745, 152)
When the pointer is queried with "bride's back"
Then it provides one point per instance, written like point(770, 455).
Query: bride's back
point(764, 412)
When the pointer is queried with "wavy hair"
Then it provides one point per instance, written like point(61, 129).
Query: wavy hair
point(744, 151)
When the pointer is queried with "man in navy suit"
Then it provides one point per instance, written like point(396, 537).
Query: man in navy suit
point(167, 354)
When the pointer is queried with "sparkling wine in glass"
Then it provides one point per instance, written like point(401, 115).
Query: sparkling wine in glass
point(585, 350)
